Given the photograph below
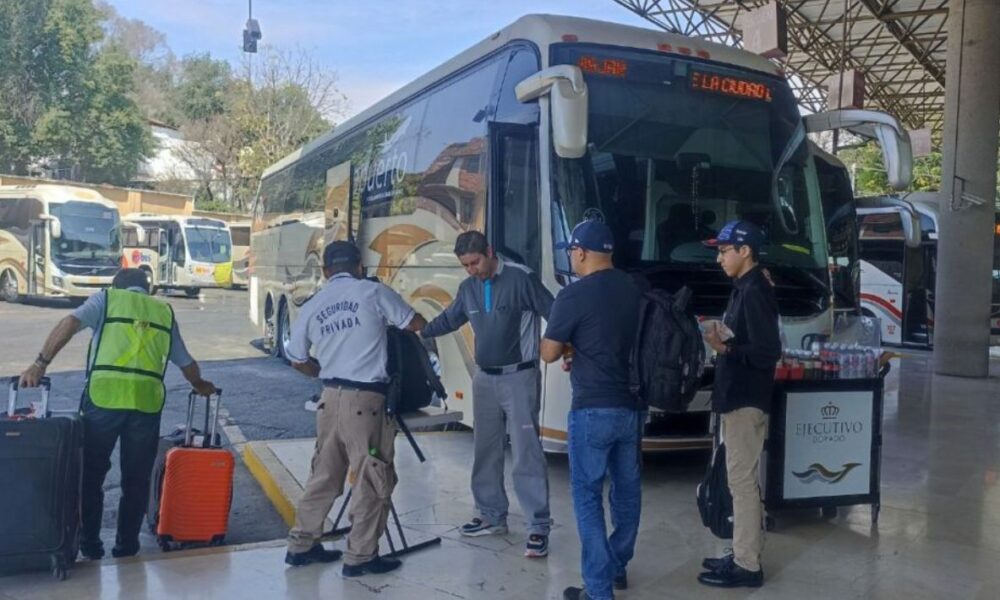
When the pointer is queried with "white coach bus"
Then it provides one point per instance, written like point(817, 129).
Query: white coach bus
point(189, 253)
point(898, 278)
point(56, 241)
point(549, 121)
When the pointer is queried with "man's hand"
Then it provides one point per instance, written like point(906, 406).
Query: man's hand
point(714, 339)
point(31, 376)
point(309, 368)
point(204, 388)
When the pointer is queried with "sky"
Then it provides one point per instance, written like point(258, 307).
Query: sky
point(375, 46)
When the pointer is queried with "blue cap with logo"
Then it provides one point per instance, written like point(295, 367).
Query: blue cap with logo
point(738, 233)
point(590, 235)
point(339, 253)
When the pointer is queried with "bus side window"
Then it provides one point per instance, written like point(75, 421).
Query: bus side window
point(515, 210)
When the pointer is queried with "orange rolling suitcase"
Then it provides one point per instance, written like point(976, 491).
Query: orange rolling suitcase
point(196, 490)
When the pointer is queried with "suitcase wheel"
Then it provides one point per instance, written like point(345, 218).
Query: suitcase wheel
point(58, 567)
point(164, 543)
point(829, 512)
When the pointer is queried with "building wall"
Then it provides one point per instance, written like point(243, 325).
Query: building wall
point(129, 200)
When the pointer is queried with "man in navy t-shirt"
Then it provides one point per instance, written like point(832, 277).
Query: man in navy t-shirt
point(598, 316)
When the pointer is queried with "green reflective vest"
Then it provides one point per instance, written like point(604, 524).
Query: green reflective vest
point(132, 353)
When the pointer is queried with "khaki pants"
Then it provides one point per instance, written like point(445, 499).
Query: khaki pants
point(743, 431)
point(352, 432)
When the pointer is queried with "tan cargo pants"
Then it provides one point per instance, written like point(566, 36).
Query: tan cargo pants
point(353, 433)
point(743, 431)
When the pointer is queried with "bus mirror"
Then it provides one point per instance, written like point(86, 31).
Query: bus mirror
point(908, 216)
point(567, 92)
point(140, 236)
point(56, 227)
point(893, 139)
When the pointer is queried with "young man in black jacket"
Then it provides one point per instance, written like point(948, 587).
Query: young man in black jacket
point(744, 381)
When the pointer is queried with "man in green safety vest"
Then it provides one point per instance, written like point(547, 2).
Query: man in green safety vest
point(134, 338)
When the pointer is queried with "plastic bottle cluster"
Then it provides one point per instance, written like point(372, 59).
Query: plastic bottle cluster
point(829, 361)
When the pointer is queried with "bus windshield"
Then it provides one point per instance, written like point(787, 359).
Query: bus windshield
point(208, 244)
point(91, 234)
point(676, 149)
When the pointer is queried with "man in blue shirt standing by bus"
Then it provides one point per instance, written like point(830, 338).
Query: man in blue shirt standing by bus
point(606, 418)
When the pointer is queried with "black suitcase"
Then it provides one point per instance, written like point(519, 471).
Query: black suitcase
point(41, 464)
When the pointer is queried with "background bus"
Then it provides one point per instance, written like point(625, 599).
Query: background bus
point(142, 248)
point(663, 137)
point(56, 241)
point(241, 253)
point(897, 280)
point(191, 252)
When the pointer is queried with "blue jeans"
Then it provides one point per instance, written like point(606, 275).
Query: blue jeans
point(605, 441)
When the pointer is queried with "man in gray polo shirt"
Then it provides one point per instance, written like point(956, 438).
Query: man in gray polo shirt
point(504, 302)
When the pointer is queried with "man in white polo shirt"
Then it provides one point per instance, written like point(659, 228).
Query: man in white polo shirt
point(345, 326)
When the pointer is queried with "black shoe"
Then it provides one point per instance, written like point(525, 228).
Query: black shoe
point(125, 550)
point(92, 551)
point(575, 593)
point(731, 575)
point(375, 566)
point(620, 582)
point(316, 554)
point(714, 564)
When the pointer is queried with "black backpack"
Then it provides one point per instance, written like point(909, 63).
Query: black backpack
point(413, 382)
point(715, 503)
point(669, 354)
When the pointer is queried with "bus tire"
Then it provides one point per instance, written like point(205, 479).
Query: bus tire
point(283, 330)
point(192, 292)
point(8, 287)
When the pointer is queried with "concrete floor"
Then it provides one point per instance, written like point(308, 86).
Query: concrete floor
point(938, 536)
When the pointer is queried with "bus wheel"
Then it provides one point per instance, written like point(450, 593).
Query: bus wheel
point(8, 287)
point(192, 292)
point(284, 333)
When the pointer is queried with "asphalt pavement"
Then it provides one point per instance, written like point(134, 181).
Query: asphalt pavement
point(263, 397)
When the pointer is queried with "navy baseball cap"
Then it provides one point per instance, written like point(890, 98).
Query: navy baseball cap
point(590, 235)
point(339, 253)
point(738, 233)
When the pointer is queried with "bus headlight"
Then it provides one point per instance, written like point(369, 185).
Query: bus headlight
point(58, 282)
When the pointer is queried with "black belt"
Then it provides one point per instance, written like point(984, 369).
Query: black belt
point(361, 386)
point(531, 364)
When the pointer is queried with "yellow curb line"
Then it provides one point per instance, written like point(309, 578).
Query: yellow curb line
point(257, 456)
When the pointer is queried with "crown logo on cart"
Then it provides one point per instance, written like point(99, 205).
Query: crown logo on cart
point(830, 411)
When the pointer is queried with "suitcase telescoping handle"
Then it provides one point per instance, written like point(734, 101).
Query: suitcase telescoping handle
point(210, 430)
point(45, 383)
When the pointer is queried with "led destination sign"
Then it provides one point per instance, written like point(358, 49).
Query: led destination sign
point(730, 86)
point(609, 67)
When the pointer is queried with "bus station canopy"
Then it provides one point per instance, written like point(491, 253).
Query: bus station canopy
point(899, 46)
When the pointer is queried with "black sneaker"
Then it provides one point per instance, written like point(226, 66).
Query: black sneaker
point(731, 575)
point(92, 551)
point(316, 554)
point(575, 593)
point(478, 527)
point(714, 564)
point(124, 550)
point(375, 566)
point(538, 546)
point(620, 582)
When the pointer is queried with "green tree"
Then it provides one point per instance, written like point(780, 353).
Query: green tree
point(73, 102)
point(203, 87)
point(22, 65)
